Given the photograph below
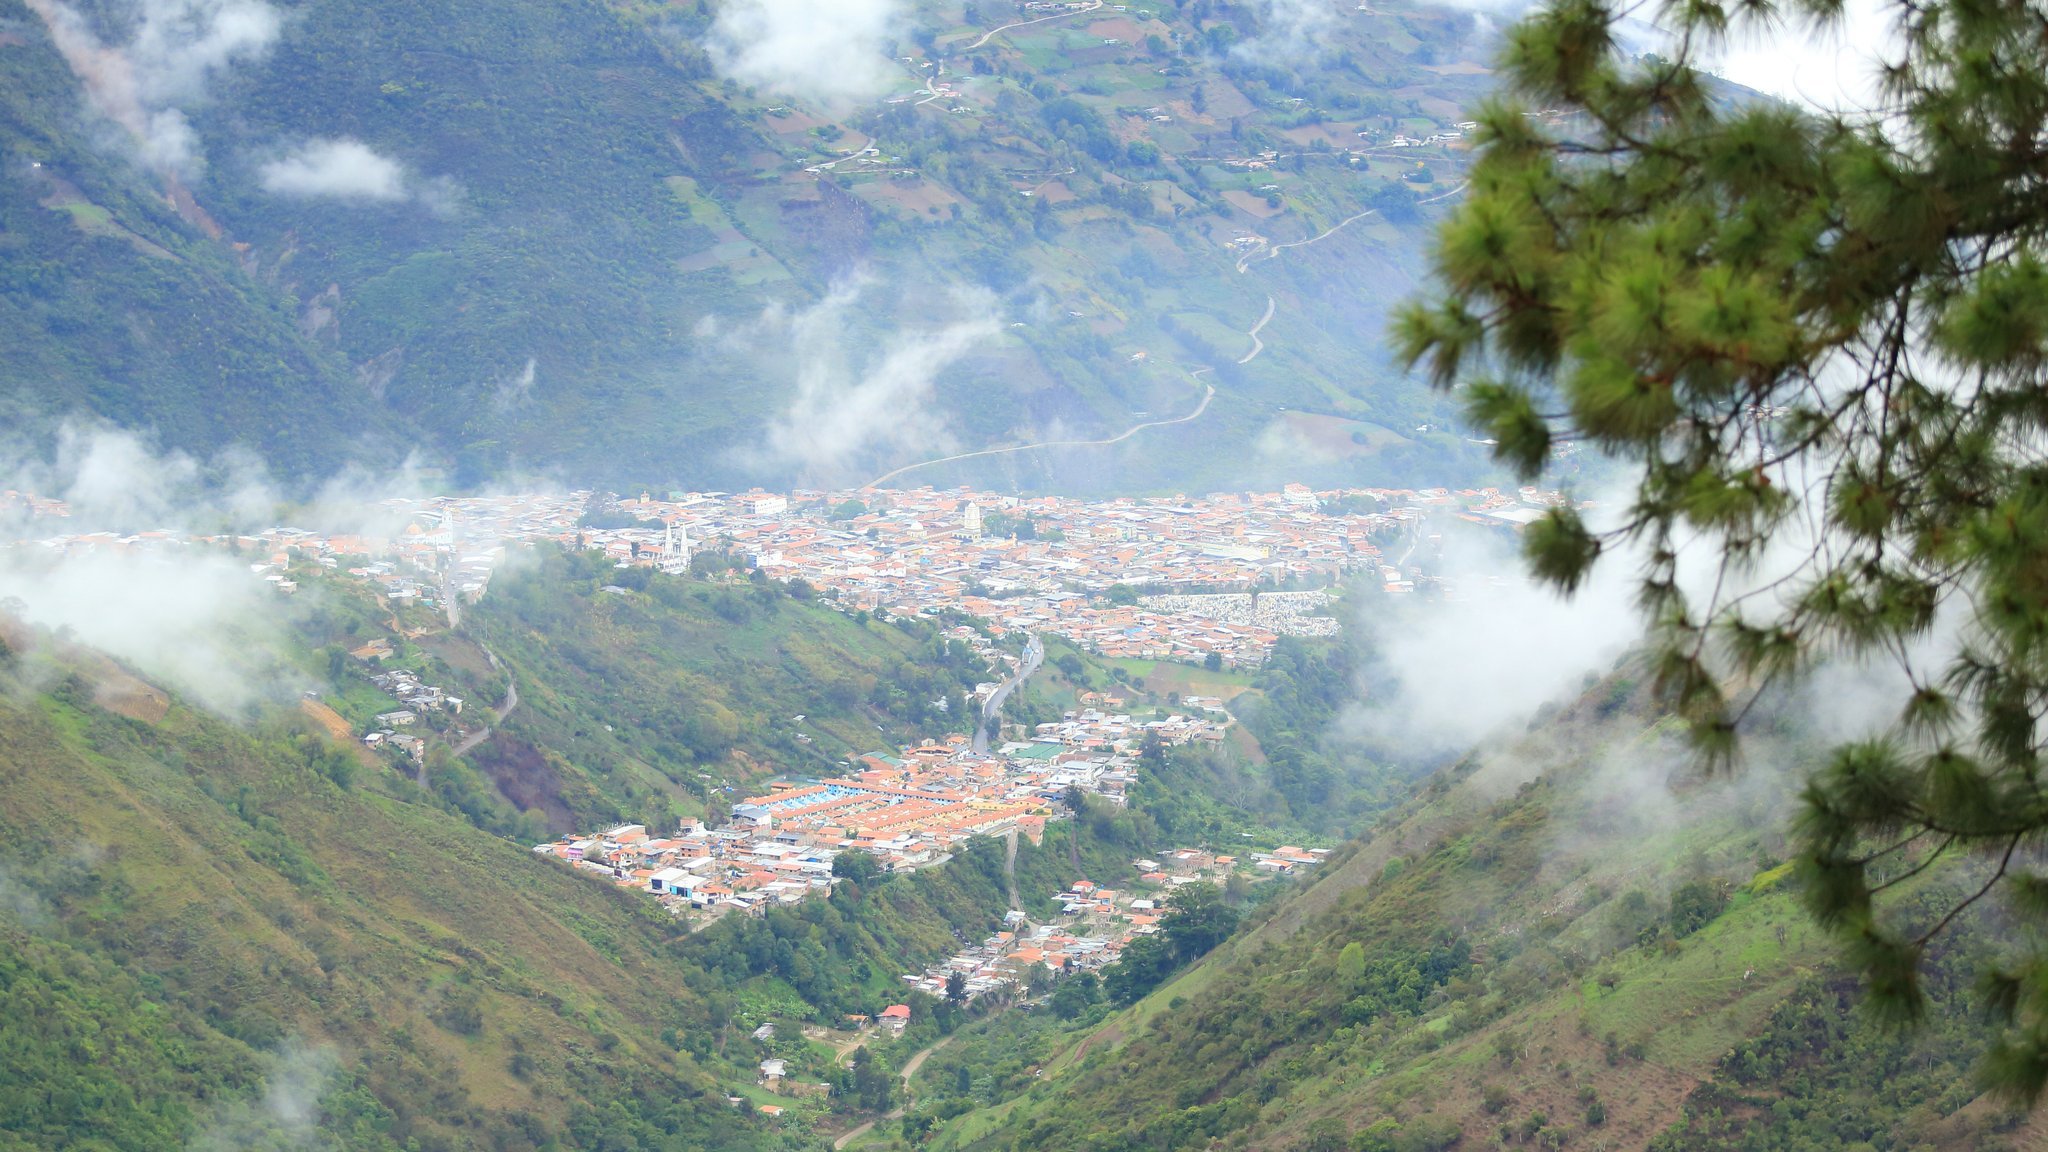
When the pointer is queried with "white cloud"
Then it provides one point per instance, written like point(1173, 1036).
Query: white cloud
point(859, 400)
point(173, 51)
point(1290, 31)
point(831, 51)
point(288, 1115)
point(340, 169)
point(1832, 69)
point(192, 617)
point(1453, 671)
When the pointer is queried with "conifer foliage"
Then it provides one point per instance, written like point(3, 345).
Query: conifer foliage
point(1824, 335)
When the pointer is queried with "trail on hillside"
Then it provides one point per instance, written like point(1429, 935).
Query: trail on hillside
point(1208, 394)
point(1040, 20)
point(1265, 252)
point(1269, 252)
point(1259, 345)
point(505, 708)
point(1010, 869)
point(910, 1068)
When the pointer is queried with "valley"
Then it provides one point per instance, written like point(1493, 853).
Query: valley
point(935, 942)
point(1022, 576)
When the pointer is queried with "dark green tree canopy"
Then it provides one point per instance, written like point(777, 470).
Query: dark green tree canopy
point(1823, 335)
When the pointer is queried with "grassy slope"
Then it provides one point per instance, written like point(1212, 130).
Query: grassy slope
point(1559, 1006)
point(636, 698)
point(208, 899)
point(248, 901)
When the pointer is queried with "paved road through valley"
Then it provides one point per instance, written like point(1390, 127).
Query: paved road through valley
point(991, 712)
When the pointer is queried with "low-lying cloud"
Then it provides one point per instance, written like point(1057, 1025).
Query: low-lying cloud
point(833, 52)
point(1449, 672)
point(860, 400)
point(351, 171)
point(286, 1116)
point(190, 616)
point(339, 169)
point(1289, 31)
point(172, 52)
point(126, 574)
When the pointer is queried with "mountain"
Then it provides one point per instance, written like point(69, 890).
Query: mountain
point(612, 241)
point(220, 934)
point(253, 933)
point(1569, 940)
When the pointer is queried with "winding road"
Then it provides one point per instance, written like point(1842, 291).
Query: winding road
point(991, 709)
point(910, 1068)
point(1266, 252)
point(504, 709)
point(1244, 263)
point(1259, 345)
point(1040, 20)
point(1208, 395)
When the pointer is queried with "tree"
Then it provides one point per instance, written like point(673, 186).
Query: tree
point(872, 1087)
point(1821, 343)
point(956, 987)
point(1075, 995)
point(858, 867)
point(1351, 963)
point(1037, 978)
point(1197, 920)
point(1145, 963)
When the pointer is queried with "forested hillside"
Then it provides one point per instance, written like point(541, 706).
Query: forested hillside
point(250, 932)
point(1544, 948)
point(668, 688)
point(560, 235)
point(246, 930)
point(256, 929)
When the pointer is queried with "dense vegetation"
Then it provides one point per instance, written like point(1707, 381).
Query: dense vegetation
point(111, 305)
point(575, 193)
point(1684, 303)
point(1537, 964)
point(202, 920)
point(219, 911)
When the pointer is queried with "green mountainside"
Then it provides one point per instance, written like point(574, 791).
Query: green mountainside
point(558, 249)
point(193, 903)
point(257, 933)
point(236, 934)
point(1540, 949)
point(203, 918)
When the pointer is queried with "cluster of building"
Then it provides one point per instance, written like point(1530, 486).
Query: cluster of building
point(909, 810)
point(1043, 564)
point(417, 700)
point(1095, 923)
point(1289, 613)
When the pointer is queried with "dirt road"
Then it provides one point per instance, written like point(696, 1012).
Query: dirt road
point(504, 709)
point(1042, 19)
point(910, 1068)
point(1259, 345)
